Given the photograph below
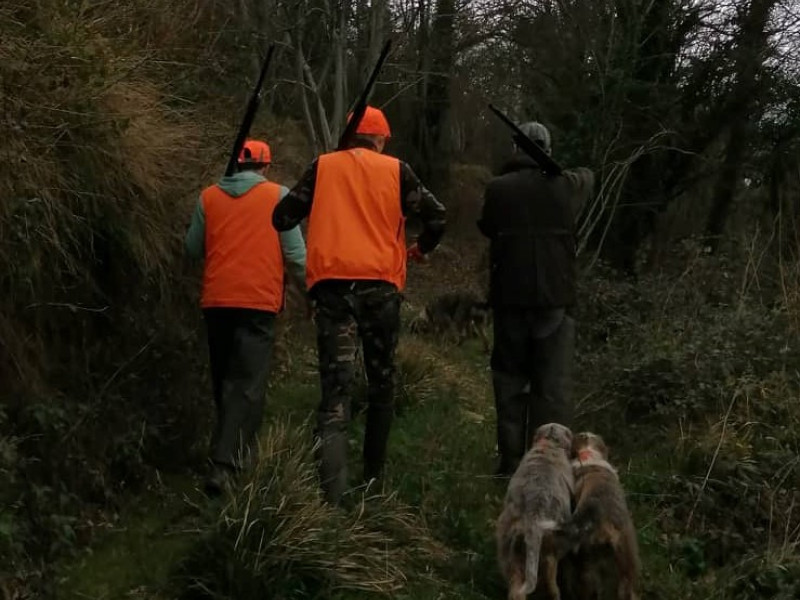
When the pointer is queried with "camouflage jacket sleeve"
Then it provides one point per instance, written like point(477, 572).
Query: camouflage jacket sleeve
point(581, 181)
point(296, 205)
point(416, 200)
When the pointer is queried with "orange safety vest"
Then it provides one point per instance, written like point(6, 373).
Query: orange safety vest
point(356, 229)
point(244, 262)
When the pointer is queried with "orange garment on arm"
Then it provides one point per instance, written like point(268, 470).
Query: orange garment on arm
point(243, 262)
point(356, 229)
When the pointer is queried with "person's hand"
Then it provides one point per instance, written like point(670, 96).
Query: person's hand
point(415, 254)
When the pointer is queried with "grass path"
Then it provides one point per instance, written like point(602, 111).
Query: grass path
point(440, 460)
point(713, 493)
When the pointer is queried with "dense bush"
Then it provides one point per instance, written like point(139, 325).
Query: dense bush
point(704, 376)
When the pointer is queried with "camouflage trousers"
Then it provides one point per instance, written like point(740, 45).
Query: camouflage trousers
point(240, 342)
point(349, 313)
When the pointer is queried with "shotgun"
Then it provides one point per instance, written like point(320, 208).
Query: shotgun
point(529, 147)
point(249, 115)
point(361, 104)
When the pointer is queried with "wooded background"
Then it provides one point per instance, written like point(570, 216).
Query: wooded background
point(680, 106)
point(113, 116)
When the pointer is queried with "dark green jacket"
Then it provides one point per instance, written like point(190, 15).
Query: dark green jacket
point(530, 222)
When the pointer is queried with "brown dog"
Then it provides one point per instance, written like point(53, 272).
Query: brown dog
point(454, 317)
point(538, 499)
point(601, 521)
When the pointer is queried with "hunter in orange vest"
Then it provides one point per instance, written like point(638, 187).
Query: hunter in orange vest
point(243, 289)
point(357, 201)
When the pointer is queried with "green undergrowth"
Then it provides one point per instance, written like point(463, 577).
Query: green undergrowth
point(696, 396)
point(136, 555)
point(428, 480)
point(694, 384)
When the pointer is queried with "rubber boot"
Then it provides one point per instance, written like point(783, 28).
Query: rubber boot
point(332, 459)
point(376, 437)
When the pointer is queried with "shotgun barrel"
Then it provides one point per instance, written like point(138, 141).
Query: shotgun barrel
point(361, 104)
point(249, 115)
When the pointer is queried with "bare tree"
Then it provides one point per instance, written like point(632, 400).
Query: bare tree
point(742, 108)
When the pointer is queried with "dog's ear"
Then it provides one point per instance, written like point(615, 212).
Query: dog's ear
point(602, 447)
point(593, 441)
point(561, 435)
point(579, 440)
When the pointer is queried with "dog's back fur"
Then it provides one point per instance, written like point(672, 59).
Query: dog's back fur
point(538, 499)
point(601, 520)
point(456, 316)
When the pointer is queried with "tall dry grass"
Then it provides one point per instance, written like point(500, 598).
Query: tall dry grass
point(95, 174)
point(276, 537)
point(100, 165)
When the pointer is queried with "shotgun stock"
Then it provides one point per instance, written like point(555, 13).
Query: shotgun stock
point(531, 148)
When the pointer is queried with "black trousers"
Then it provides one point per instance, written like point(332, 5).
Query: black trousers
point(349, 313)
point(240, 342)
point(532, 377)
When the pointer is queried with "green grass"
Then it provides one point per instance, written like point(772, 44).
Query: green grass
point(137, 555)
point(441, 457)
point(440, 462)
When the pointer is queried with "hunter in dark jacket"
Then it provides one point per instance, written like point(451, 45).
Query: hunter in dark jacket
point(529, 219)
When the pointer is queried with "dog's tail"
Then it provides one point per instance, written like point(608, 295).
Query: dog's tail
point(567, 536)
point(534, 532)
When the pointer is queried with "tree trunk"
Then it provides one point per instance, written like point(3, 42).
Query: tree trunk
point(308, 118)
point(340, 74)
point(377, 30)
point(437, 62)
point(742, 109)
point(727, 183)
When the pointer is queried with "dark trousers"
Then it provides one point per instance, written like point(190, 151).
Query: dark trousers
point(532, 377)
point(240, 344)
point(348, 312)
